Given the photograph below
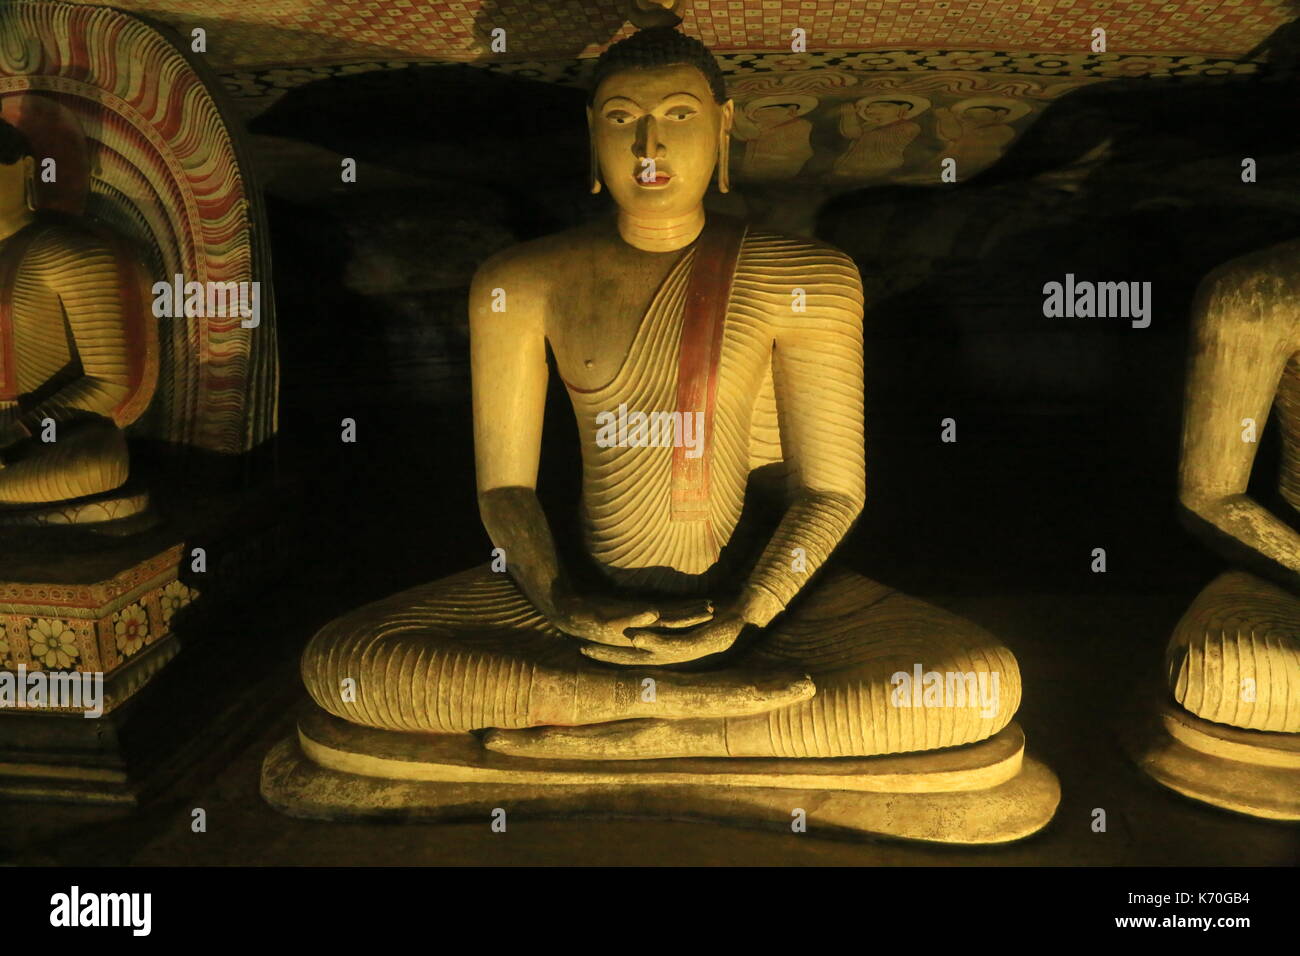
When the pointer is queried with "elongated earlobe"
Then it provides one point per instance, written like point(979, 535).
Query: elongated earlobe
point(29, 190)
point(594, 175)
point(724, 148)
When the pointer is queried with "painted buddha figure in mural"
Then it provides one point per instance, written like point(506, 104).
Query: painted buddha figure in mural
point(879, 130)
point(777, 137)
point(977, 131)
point(1235, 656)
point(72, 374)
point(717, 378)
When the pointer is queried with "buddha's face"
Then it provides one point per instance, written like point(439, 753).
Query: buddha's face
point(881, 113)
point(980, 116)
point(656, 134)
point(770, 117)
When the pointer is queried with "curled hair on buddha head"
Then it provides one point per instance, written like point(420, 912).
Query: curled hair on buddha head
point(13, 144)
point(655, 47)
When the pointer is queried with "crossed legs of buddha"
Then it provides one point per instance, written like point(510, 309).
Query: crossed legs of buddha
point(1230, 735)
point(470, 653)
point(1235, 656)
point(88, 458)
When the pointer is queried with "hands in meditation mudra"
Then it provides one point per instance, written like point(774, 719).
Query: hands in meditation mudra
point(759, 337)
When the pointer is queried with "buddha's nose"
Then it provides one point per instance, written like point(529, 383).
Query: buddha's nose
point(647, 141)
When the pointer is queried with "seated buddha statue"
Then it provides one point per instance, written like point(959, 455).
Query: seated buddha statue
point(716, 373)
point(1233, 662)
point(73, 365)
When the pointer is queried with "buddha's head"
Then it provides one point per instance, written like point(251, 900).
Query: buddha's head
point(774, 114)
point(17, 166)
point(981, 116)
point(660, 123)
point(876, 113)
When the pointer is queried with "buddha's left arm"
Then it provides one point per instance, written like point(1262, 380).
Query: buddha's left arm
point(1243, 333)
point(83, 273)
point(817, 370)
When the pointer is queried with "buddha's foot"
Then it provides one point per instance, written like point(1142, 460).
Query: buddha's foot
point(622, 740)
point(674, 696)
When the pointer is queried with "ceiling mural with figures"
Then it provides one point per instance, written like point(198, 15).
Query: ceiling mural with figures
point(267, 84)
point(839, 127)
point(298, 32)
point(884, 90)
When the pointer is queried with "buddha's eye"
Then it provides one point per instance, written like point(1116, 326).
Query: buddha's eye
point(618, 117)
point(680, 113)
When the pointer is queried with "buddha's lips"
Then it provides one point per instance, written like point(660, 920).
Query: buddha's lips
point(660, 179)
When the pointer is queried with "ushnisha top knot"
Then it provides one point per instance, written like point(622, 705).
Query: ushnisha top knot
point(655, 47)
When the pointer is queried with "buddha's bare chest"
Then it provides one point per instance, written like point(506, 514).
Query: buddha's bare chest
point(598, 309)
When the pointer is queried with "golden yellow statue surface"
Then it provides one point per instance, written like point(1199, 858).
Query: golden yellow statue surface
point(1233, 662)
point(75, 360)
point(716, 374)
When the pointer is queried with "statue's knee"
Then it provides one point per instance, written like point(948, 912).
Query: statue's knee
point(990, 672)
point(1234, 657)
point(365, 650)
point(86, 458)
point(330, 658)
point(1007, 669)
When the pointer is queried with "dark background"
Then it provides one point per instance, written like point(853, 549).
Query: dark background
point(1068, 429)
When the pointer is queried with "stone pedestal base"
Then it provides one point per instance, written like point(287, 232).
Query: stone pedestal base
point(75, 759)
point(989, 792)
point(1248, 771)
point(93, 613)
point(101, 619)
point(113, 606)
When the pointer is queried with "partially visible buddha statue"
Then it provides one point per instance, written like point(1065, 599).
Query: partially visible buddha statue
point(750, 344)
point(1234, 660)
point(74, 368)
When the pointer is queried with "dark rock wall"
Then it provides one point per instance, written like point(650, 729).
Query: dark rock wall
point(1068, 429)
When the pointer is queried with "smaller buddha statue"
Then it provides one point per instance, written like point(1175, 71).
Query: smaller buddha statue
point(1233, 663)
point(77, 361)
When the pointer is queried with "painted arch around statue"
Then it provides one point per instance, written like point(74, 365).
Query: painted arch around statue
point(141, 146)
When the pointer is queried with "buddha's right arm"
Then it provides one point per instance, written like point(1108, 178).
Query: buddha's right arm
point(508, 375)
point(1241, 343)
point(517, 525)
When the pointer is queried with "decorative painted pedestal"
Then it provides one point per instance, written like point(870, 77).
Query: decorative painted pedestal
point(101, 620)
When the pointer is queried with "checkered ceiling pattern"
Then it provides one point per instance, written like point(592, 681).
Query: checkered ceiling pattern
point(243, 34)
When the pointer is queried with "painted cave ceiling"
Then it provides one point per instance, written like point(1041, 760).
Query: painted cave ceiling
point(883, 91)
point(310, 32)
